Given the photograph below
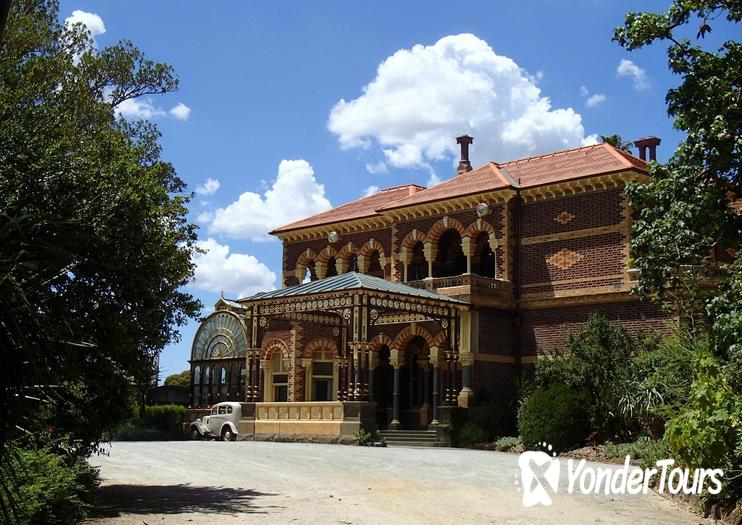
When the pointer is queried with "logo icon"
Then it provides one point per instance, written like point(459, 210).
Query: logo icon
point(538, 471)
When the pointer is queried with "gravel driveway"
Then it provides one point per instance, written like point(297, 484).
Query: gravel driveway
point(261, 482)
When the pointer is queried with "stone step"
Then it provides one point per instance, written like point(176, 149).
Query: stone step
point(411, 444)
point(409, 438)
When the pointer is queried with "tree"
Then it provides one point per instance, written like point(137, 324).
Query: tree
point(617, 142)
point(95, 246)
point(182, 379)
point(687, 236)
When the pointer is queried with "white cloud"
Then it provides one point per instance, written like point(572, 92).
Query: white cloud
point(138, 108)
point(209, 187)
point(423, 97)
point(234, 273)
point(626, 68)
point(295, 194)
point(378, 168)
point(584, 91)
point(434, 180)
point(371, 190)
point(91, 21)
point(594, 100)
point(180, 111)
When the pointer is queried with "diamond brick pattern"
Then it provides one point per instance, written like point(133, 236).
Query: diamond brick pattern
point(564, 259)
point(564, 217)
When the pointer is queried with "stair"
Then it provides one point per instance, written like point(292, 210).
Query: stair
point(409, 438)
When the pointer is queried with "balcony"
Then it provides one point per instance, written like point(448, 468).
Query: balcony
point(469, 287)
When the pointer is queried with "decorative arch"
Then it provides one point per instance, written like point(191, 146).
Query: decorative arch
point(326, 254)
point(347, 251)
point(478, 227)
point(440, 340)
point(321, 343)
point(306, 257)
point(412, 238)
point(442, 226)
point(371, 246)
point(408, 333)
point(221, 335)
point(380, 340)
point(272, 346)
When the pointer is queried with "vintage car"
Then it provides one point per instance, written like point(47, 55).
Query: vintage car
point(221, 423)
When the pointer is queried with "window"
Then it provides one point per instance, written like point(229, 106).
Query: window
point(418, 268)
point(280, 377)
point(213, 411)
point(450, 260)
point(229, 410)
point(196, 401)
point(322, 380)
point(222, 410)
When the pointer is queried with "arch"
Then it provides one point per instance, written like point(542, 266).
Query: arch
point(306, 257)
point(272, 346)
point(440, 340)
point(380, 340)
point(448, 257)
point(326, 254)
point(347, 251)
point(371, 246)
point(442, 226)
point(480, 226)
point(413, 238)
point(321, 343)
point(408, 333)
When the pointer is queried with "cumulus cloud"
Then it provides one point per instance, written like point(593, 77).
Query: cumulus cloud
point(234, 273)
point(371, 190)
point(377, 168)
point(138, 108)
point(421, 98)
point(180, 111)
point(209, 187)
point(594, 100)
point(91, 21)
point(626, 68)
point(294, 194)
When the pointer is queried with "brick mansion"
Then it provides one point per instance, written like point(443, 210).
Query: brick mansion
point(398, 305)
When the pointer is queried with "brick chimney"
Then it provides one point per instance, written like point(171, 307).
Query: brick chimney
point(647, 143)
point(464, 164)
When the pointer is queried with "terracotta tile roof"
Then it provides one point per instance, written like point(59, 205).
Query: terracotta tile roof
point(571, 164)
point(357, 209)
point(524, 173)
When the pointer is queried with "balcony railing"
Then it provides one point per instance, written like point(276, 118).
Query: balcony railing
point(465, 284)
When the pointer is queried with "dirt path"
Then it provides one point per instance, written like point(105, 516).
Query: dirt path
point(259, 482)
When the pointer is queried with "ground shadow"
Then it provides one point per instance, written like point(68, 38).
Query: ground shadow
point(114, 500)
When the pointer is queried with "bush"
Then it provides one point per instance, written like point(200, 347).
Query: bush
point(158, 423)
point(482, 423)
point(556, 414)
point(645, 450)
point(507, 443)
point(45, 486)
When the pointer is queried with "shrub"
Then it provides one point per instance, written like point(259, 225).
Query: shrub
point(645, 450)
point(157, 423)
point(45, 486)
point(482, 423)
point(507, 443)
point(557, 414)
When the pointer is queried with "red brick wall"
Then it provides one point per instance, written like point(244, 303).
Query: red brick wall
point(544, 330)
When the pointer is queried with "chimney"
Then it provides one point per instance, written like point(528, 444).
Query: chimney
point(647, 143)
point(464, 164)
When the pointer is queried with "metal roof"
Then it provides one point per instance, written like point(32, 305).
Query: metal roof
point(352, 281)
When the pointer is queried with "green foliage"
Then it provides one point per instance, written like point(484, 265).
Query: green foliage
point(156, 423)
point(645, 450)
point(48, 486)
point(94, 240)
point(182, 379)
point(617, 142)
point(557, 414)
point(507, 443)
point(484, 422)
point(708, 433)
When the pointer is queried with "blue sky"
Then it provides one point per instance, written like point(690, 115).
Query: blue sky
point(261, 85)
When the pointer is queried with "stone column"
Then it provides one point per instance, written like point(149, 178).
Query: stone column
point(300, 272)
point(267, 393)
point(468, 248)
point(363, 262)
point(342, 265)
point(436, 355)
point(320, 268)
point(405, 257)
point(466, 394)
point(397, 360)
point(357, 349)
point(430, 252)
point(373, 358)
point(306, 364)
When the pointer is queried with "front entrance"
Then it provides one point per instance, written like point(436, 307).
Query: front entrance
point(414, 387)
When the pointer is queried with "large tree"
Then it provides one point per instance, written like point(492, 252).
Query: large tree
point(687, 238)
point(95, 246)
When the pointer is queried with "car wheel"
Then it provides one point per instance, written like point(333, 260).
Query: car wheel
point(228, 435)
point(195, 434)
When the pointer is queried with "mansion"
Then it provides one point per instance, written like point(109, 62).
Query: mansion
point(401, 304)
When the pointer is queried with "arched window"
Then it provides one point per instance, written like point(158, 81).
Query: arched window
point(310, 274)
point(280, 376)
point(374, 265)
point(196, 398)
point(418, 265)
point(206, 391)
point(450, 259)
point(483, 260)
point(332, 269)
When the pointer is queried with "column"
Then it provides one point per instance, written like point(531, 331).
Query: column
point(405, 257)
point(466, 394)
point(342, 265)
point(430, 252)
point(372, 361)
point(320, 268)
point(363, 262)
point(435, 360)
point(357, 357)
point(397, 360)
point(468, 249)
point(306, 364)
